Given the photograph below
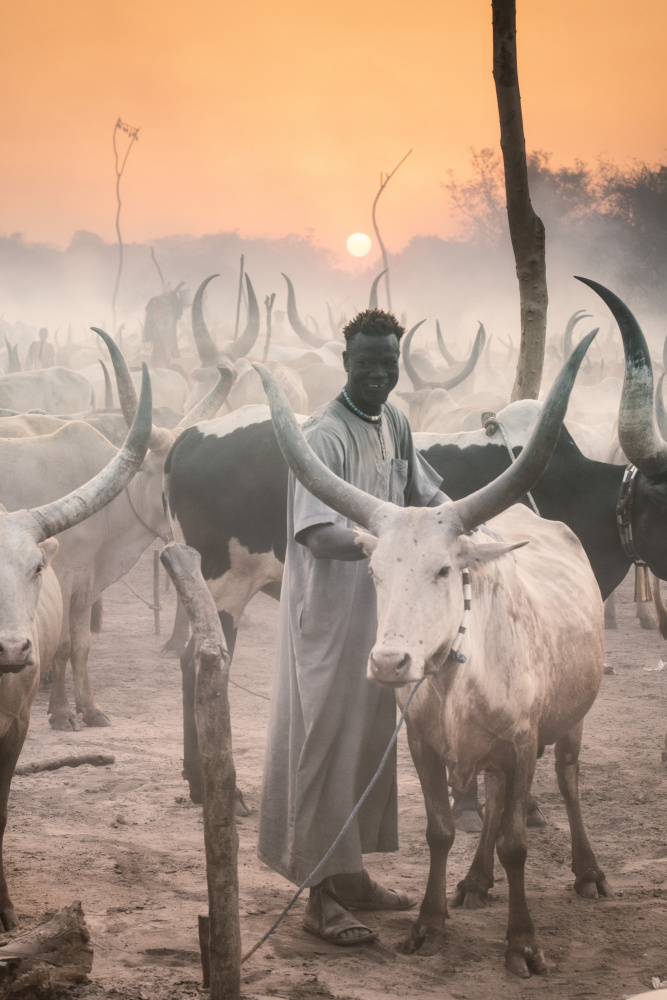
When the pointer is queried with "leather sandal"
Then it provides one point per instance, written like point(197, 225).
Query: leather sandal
point(374, 896)
point(328, 918)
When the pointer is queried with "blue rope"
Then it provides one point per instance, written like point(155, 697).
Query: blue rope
point(346, 827)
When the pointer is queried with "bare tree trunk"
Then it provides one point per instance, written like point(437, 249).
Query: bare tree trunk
point(526, 229)
point(384, 180)
point(218, 773)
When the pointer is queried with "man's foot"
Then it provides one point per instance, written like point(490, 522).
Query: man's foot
point(360, 892)
point(327, 918)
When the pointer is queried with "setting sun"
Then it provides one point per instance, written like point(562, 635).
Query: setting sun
point(358, 244)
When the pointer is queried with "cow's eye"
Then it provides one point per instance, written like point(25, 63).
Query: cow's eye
point(443, 572)
point(38, 569)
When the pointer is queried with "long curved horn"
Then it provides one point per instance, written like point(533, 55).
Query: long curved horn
point(208, 352)
point(569, 329)
point(207, 407)
point(108, 394)
point(373, 297)
point(417, 381)
point(442, 346)
point(160, 438)
point(307, 467)
point(515, 482)
point(244, 344)
point(660, 412)
point(638, 431)
point(52, 518)
point(295, 321)
point(421, 383)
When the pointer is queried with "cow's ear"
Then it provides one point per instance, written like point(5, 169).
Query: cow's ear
point(476, 555)
point(49, 547)
point(367, 542)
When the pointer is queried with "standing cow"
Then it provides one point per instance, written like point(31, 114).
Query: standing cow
point(31, 605)
point(509, 637)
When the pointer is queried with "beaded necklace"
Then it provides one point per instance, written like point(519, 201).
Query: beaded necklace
point(369, 418)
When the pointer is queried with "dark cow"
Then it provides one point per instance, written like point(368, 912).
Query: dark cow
point(225, 489)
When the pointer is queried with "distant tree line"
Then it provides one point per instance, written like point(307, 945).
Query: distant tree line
point(612, 219)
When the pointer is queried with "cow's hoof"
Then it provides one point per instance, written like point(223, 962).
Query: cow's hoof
point(96, 719)
point(9, 919)
point(469, 821)
point(424, 940)
point(240, 807)
point(523, 965)
point(535, 817)
point(65, 723)
point(467, 897)
point(594, 889)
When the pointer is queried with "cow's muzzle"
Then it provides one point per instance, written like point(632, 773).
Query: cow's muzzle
point(15, 654)
point(391, 665)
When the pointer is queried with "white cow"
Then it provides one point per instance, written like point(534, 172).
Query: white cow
point(31, 605)
point(523, 675)
point(54, 390)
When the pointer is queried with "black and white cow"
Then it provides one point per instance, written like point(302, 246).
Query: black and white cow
point(226, 495)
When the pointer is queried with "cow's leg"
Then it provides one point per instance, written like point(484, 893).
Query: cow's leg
point(645, 612)
point(472, 891)
point(467, 810)
point(10, 748)
point(191, 761)
point(590, 881)
point(610, 611)
point(427, 934)
point(523, 954)
point(178, 640)
point(84, 699)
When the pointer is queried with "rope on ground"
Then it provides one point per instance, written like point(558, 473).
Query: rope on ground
point(342, 833)
point(265, 697)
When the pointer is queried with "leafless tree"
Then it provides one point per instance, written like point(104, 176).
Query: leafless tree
point(384, 180)
point(119, 164)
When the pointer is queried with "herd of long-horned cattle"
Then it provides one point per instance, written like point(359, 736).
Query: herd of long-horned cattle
point(189, 449)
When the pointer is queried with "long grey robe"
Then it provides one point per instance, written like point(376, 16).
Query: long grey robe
point(329, 726)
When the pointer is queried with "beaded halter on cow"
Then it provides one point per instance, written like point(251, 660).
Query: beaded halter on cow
point(454, 653)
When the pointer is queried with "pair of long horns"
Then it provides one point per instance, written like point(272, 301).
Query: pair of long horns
point(161, 439)
point(638, 431)
point(233, 349)
point(86, 500)
point(471, 511)
point(468, 367)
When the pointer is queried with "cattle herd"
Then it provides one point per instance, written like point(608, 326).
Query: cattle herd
point(189, 449)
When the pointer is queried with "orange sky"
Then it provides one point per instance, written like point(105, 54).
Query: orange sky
point(276, 116)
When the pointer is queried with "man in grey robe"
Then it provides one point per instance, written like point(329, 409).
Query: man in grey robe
point(329, 725)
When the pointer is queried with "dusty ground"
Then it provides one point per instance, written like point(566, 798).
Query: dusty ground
point(126, 840)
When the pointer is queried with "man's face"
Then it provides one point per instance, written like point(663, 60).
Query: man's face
point(371, 364)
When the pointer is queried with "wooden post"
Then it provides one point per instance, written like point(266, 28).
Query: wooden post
point(218, 773)
point(526, 228)
point(156, 590)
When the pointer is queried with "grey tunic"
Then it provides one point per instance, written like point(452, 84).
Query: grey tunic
point(329, 726)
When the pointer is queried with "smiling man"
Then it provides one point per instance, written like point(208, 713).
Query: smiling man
point(329, 724)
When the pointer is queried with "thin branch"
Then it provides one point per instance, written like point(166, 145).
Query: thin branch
point(133, 134)
point(385, 260)
point(159, 269)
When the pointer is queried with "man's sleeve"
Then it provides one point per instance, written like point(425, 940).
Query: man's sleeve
point(424, 482)
point(308, 510)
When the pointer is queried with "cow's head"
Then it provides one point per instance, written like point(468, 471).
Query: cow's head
point(639, 434)
point(417, 555)
point(27, 544)
point(22, 564)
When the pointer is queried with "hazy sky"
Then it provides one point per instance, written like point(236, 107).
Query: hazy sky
point(276, 116)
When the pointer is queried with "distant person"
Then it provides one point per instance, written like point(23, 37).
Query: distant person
point(41, 354)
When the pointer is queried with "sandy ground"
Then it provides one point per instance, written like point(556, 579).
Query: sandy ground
point(126, 840)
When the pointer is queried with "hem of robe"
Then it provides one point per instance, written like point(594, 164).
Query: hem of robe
point(290, 872)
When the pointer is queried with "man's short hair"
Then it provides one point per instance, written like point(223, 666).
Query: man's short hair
point(373, 323)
